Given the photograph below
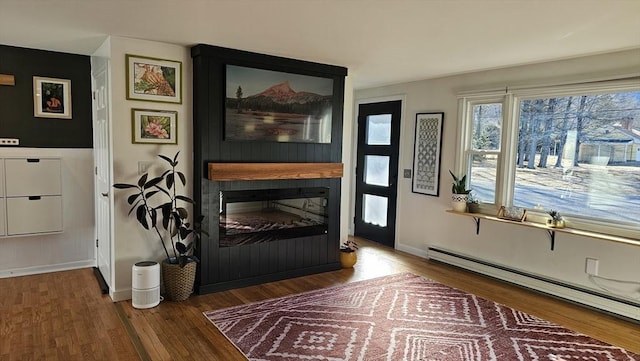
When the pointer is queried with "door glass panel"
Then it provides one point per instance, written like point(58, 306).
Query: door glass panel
point(374, 210)
point(379, 129)
point(376, 170)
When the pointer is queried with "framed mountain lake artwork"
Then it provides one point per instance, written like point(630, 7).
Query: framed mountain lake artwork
point(51, 98)
point(154, 126)
point(266, 105)
point(154, 79)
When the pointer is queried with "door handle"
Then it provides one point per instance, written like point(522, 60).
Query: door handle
point(105, 194)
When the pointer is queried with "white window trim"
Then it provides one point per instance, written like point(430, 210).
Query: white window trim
point(506, 171)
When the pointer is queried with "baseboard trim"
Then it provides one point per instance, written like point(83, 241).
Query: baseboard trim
point(411, 250)
point(27, 271)
point(121, 295)
point(606, 303)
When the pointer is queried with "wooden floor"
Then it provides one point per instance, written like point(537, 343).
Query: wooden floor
point(63, 316)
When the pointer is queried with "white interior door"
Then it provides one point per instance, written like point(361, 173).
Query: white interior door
point(102, 162)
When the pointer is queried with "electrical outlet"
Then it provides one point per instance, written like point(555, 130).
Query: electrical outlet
point(9, 141)
point(591, 267)
point(407, 173)
point(143, 167)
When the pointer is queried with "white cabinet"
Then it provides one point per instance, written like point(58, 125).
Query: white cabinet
point(3, 218)
point(26, 215)
point(32, 177)
point(32, 201)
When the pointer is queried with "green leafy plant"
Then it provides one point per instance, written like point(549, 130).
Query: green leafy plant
point(459, 184)
point(472, 198)
point(555, 215)
point(156, 203)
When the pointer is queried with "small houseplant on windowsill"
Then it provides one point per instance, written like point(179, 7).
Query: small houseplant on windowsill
point(556, 220)
point(473, 204)
point(459, 193)
point(158, 207)
point(348, 254)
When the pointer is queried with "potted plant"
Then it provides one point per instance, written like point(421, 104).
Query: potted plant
point(158, 207)
point(473, 204)
point(460, 193)
point(348, 255)
point(556, 220)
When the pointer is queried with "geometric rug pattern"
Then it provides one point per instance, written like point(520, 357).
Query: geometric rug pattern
point(400, 317)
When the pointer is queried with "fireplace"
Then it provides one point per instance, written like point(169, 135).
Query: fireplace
point(290, 190)
point(256, 216)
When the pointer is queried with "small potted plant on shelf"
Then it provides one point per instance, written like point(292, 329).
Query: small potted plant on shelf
point(348, 254)
point(459, 193)
point(157, 206)
point(473, 204)
point(556, 220)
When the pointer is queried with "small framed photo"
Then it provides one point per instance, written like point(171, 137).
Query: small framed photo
point(154, 126)
point(51, 98)
point(152, 79)
point(426, 153)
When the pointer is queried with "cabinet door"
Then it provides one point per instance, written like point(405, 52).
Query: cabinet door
point(1, 177)
point(32, 177)
point(34, 215)
point(3, 228)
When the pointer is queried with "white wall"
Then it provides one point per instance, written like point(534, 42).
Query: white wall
point(422, 221)
point(132, 242)
point(75, 246)
point(347, 160)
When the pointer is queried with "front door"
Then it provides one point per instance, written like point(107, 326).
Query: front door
point(377, 171)
point(101, 155)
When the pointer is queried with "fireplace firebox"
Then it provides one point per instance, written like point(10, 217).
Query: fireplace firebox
point(256, 216)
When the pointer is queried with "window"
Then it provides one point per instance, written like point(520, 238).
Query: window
point(484, 152)
point(572, 149)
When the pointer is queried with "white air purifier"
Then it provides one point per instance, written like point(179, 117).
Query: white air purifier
point(145, 284)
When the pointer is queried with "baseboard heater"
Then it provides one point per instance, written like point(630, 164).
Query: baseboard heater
point(616, 306)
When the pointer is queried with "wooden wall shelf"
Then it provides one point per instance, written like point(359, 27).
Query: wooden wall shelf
point(264, 171)
point(550, 230)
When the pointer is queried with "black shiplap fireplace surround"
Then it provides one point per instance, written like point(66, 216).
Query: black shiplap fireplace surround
point(227, 267)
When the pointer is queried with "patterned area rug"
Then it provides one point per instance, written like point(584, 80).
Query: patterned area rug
point(400, 317)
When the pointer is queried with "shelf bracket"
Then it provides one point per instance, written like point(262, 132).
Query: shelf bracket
point(477, 220)
point(552, 236)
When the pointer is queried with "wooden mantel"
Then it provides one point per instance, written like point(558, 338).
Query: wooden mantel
point(7, 79)
point(264, 171)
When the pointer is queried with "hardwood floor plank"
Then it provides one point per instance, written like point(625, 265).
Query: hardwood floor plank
point(60, 316)
point(64, 316)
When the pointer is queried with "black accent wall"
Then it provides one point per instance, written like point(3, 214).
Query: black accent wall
point(230, 267)
point(16, 102)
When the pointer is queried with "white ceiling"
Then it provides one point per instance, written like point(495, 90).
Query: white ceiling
point(380, 41)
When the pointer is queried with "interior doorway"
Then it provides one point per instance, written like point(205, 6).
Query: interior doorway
point(100, 80)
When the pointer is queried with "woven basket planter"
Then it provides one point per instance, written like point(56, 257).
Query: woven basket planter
point(178, 282)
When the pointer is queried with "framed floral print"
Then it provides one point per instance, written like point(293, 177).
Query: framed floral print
point(154, 126)
point(153, 79)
